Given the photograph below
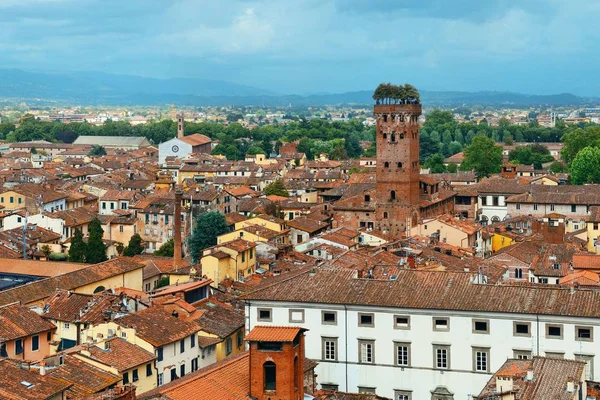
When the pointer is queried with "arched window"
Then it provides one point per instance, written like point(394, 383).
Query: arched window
point(393, 137)
point(518, 273)
point(399, 164)
point(495, 219)
point(270, 372)
point(402, 136)
point(385, 214)
point(385, 135)
point(384, 117)
point(99, 289)
point(393, 195)
point(386, 164)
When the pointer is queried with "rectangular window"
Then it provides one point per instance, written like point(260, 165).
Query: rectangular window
point(243, 256)
point(239, 338)
point(135, 375)
point(192, 341)
point(121, 228)
point(522, 329)
point(518, 206)
point(297, 316)
point(3, 352)
point(441, 357)
point(481, 326)
point(595, 226)
point(441, 324)
point(18, 346)
point(35, 343)
point(125, 378)
point(329, 348)
point(112, 206)
point(481, 360)
point(364, 389)
point(522, 354)
point(366, 353)
point(161, 379)
point(330, 386)
point(159, 354)
point(402, 395)
point(551, 207)
point(264, 314)
point(194, 364)
point(366, 320)
point(12, 199)
point(535, 207)
point(182, 370)
point(329, 317)
point(228, 345)
point(166, 220)
point(401, 322)
point(173, 374)
point(402, 354)
point(584, 333)
point(554, 331)
point(103, 205)
point(148, 369)
point(251, 254)
point(573, 208)
point(182, 345)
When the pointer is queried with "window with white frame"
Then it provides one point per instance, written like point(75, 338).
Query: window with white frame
point(329, 346)
point(481, 359)
point(522, 354)
point(441, 356)
point(441, 324)
point(402, 354)
point(401, 322)
point(366, 351)
point(402, 395)
point(366, 389)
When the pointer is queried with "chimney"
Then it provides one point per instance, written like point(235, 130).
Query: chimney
point(43, 368)
point(180, 125)
point(177, 261)
point(570, 385)
point(529, 376)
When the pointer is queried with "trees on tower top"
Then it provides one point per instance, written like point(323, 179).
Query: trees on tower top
point(386, 93)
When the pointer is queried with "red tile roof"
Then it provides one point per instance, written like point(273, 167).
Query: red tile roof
point(17, 321)
point(42, 386)
point(274, 333)
point(120, 354)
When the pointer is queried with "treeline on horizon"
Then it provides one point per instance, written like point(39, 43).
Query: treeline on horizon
point(440, 134)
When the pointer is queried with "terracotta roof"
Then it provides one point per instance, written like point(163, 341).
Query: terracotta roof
point(158, 327)
point(85, 378)
point(219, 319)
point(196, 139)
point(238, 245)
point(423, 290)
point(550, 377)
point(334, 395)
point(38, 268)
point(17, 321)
point(580, 278)
point(586, 261)
point(561, 194)
point(274, 333)
point(44, 288)
point(307, 224)
point(181, 287)
point(115, 352)
point(225, 380)
point(13, 387)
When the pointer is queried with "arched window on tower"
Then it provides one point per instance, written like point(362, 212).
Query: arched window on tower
point(399, 164)
point(518, 273)
point(393, 195)
point(384, 117)
point(270, 373)
point(385, 214)
point(402, 136)
point(386, 164)
point(385, 135)
point(393, 137)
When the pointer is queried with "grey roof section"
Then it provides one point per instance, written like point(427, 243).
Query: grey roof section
point(113, 141)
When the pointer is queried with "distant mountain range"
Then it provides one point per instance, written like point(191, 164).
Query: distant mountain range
point(94, 88)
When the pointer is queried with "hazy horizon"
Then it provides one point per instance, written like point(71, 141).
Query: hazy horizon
point(314, 46)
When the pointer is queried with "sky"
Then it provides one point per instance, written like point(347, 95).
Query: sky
point(315, 46)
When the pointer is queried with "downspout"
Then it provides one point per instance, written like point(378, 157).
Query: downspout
point(537, 319)
point(346, 343)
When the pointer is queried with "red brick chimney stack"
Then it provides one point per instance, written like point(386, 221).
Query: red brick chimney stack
point(177, 259)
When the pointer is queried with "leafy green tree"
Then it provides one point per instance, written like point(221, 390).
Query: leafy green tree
point(458, 136)
point(134, 247)
point(95, 249)
point(435, 163)
point(167, 249)
point(208, 226)
point(97, 151)
point(577, 139)
point(276, 188)
point(255, 150)
point(483, 156)
point(428, 147)
point(352, 146)
point(454, 148)
point(557, 167)
point(78, 247)
point(372, 150)
point(585, 168)
point(46, 250)
point(452, 168)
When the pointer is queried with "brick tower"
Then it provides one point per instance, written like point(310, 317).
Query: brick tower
point(180, 119)
point(276, 363)
point(398, 169)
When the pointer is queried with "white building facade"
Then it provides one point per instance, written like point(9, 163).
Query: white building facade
point(416, 353)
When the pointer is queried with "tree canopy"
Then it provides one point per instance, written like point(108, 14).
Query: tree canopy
point(276, 188)
point(386, 93)
point(167, 249)
point(134, 247)
point(78, 247)
point(208, 226)
point(483, 156)
point(585, 168)
point(95, 249)
point(97, 151)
